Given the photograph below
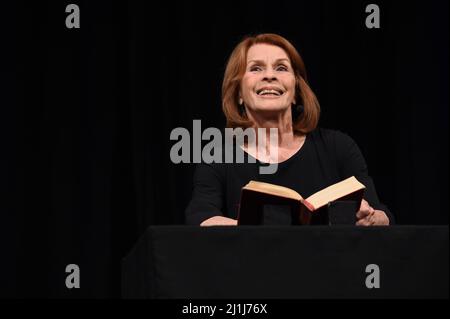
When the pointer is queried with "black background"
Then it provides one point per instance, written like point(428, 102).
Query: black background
point(86, 116)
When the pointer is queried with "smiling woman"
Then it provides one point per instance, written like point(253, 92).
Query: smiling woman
point(268, 85)
point(265, 86)
point(268, 61)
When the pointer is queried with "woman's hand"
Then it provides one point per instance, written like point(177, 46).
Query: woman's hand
point(219, 221)
point(367, 216)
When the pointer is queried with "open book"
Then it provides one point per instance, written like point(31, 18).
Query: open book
point(256, 195)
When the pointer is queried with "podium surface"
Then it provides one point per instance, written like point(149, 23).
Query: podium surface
point(288, 262)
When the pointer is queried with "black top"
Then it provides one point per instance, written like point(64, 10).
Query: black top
point(326, 157)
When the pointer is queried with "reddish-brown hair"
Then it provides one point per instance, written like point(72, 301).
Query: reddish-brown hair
point(235, 70)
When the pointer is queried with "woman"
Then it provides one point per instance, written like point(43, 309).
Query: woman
point(265, 87)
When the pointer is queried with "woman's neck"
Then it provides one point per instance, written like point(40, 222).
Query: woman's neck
point(280, 147)
point(282, 122)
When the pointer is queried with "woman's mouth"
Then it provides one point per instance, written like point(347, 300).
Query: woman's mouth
point(269, 92)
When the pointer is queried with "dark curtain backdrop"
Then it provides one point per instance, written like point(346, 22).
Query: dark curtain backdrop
point(86, 116)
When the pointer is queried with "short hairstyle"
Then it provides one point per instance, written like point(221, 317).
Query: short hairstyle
point(303, 122)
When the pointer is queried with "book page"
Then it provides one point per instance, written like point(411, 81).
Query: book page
point(272, 189)
point(335, 192)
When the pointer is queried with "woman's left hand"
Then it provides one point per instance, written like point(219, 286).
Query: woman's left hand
point(367, 216)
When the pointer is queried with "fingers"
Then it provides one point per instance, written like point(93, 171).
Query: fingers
point(365, 210)
point(364, 204)
point(219, 221)
point(362, 214)
point(376, 218)
point(368, 221)
point(228, 222)
point(365, 215)
point(380, 218)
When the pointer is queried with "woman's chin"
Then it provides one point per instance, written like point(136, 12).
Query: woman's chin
point(271, 109)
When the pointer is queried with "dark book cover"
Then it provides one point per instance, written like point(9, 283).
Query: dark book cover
point(257, 208)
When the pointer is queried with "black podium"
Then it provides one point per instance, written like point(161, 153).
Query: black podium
point(292, 262)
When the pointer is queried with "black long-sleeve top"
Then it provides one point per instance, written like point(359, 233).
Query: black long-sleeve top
point(326, 157)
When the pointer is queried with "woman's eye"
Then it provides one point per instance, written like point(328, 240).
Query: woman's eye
point(255, 68)
point(282, 68)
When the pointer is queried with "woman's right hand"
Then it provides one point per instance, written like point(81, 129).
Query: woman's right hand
point(219, 221)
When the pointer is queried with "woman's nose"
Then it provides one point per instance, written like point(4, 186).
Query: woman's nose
point(269, 75)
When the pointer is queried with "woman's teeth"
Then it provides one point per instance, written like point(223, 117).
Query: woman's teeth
point(269, 92)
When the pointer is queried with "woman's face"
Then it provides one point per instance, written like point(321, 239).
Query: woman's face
point(268, 84)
